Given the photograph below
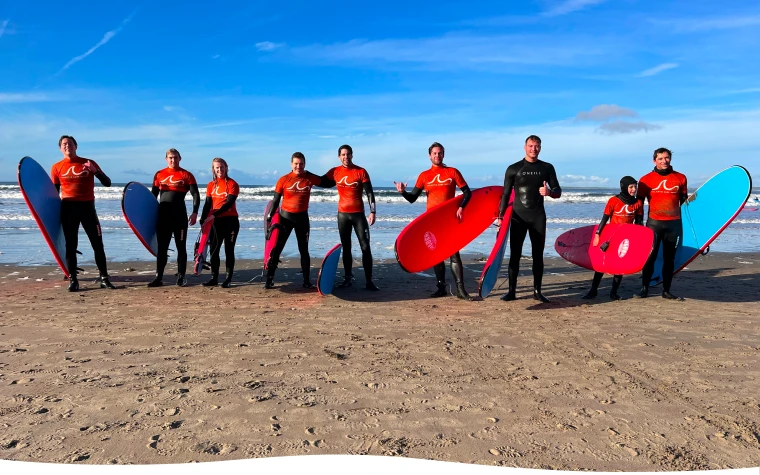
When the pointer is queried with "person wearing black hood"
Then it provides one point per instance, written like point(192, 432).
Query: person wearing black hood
point(621, 209)
point(666, 191)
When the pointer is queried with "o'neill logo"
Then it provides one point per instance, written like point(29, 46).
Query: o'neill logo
point(71, 172)
point(430, 241)
point(663, 186)
point(297, 186)
point(623, 248)
point(437, 180)
point(170, 180)
point(344, 181)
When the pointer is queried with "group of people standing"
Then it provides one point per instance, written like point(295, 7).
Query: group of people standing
point(531, 179)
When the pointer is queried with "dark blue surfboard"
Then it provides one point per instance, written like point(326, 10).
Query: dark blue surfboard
point(706, 213)
point(140, 209)
point(45, 204)
point(328, 271)
point(493, 265)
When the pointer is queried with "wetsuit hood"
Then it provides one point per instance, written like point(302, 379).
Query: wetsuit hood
point(624, 196)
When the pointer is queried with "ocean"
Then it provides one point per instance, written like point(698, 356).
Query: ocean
point(21, 242)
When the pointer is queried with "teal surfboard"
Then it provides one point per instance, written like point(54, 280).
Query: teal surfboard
point(706, 213)
point(328, 271)
point(140, 209)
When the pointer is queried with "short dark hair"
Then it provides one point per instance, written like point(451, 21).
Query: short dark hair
point(347, 147)
point(662, 150)
point(534, 138)
point(297, 155)
point(60, 141)
point(436, 144)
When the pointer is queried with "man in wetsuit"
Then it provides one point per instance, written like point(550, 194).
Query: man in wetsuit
point(74, 178)
point(532, 180)
point(440, 183)
point(350, 180)
point(666, 191)
point(173, 183)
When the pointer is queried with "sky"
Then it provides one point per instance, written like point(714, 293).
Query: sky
point(602, 82)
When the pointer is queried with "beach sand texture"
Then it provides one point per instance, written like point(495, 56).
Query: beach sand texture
point(174, 375)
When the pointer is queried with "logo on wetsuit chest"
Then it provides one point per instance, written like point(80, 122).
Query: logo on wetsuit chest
point(297, 187)
point(430, 241)
point(71, 173)
point(170, 180)
point(522, 173)
point(664, 188)
point(624, 211)
point(344, 181)
point(436, 181)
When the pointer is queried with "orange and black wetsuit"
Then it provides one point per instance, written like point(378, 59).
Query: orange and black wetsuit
point(77, 188)
point(440, 182)
point(221, 195)
point(170, 186)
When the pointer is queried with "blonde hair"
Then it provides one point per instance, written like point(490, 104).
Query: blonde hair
point(173, 150)
point(226, 168)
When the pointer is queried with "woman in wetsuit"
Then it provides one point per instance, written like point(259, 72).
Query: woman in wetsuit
point(173, 183)
point(74, 178)
point(291, 195)
point(221, 194)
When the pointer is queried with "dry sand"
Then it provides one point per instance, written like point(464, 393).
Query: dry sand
point(172, 375)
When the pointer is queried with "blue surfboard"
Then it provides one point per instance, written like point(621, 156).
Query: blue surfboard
point(326, 277)
point(493, 265)
point(706, 213)
point(140, 209)
point(45, 204)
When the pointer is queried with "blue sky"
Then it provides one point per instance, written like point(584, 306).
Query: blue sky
point(603, 82)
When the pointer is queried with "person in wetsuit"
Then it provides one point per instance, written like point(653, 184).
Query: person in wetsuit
point(173, 183)
point(74, 178)
point(220, 207)
point(666, 191)
point(621, 209)
point(440, 183)
point(532, 180)
point(294, 190)
point(350, 180)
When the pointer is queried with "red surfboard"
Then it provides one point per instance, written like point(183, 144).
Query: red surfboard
point(272, 241)
point(491, 269)
point(623, 248)
point(201, 248)
point(436, 235)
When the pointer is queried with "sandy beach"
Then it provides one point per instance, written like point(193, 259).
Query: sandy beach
point(174, 375)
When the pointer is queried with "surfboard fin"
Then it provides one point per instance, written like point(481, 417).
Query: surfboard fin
point(78, 252)
point(604, 246)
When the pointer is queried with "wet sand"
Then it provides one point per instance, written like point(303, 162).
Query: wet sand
point(173, 375)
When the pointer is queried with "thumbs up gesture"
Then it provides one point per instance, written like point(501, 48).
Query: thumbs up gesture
point(544, 190)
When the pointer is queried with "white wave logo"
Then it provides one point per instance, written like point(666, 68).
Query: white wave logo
point(216, 192)
point(72, 172)
point(430, 241)
point(344, 181)
point(623, 248)
point(624, 211)
point(170, 180)
point(297, 186)
point(437, 180)
point(663, 186)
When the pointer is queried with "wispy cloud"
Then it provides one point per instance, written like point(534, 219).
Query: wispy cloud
point(577, 180)
point(106, 38)
point(268, 46)
point(3, 26)
point(20, 98)
point(687, 25)
point(624, 127)
point(657, 69)
point(604, 112)
point(570, 6)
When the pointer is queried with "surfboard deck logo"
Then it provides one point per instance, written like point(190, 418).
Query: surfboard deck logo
point(140, 210)
point(490, 273)
point(202, 245)
point(436, 234)
point(328, 270)
point(44, 203)
point(623, 248)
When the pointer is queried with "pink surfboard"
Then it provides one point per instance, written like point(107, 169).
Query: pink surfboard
point(436, 235)
point(272, 241)
point(628, 247)
point(201, 248)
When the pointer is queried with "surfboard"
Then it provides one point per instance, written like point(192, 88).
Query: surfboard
point(272, 241)
point(44, 203)
point(140, 210)
point(436, 235)
point(201, 248)
point(706, 213)
point(326, 276)
point(490, 273)
point(623, 248)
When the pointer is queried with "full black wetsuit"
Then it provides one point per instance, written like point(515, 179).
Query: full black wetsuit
point(226, 226)
point(356, 222)
point(528, 214)
point(172, 220)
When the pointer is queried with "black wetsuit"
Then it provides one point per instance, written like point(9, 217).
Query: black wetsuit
point(224, 230)
point(356, 222)
point(528, 214)
point(172, 220)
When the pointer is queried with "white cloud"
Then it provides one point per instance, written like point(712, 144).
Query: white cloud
point(106, 38)
point(268, 46)
point(688, 25)
point(3, 26)
point(20, 98)
point(582, 180)
point(604, 112)
point(623, 127)
point(657, 69)
point(570, 6)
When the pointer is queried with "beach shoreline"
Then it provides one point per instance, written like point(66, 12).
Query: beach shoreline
point(173, 375)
